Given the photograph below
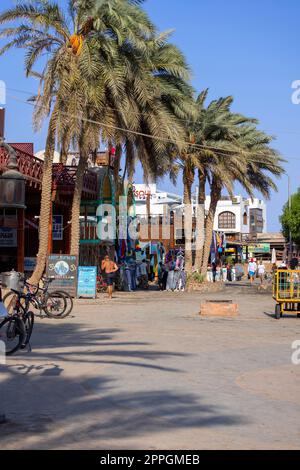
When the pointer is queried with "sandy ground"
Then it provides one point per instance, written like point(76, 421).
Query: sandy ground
point(145, 371)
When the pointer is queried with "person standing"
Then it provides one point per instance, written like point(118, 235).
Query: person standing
point(252, 269)
point(214, 271)
point(110, 268)
point(144, 280)
point(229, 272)
point(161, 276)
point(171, 275)
point(132, 269)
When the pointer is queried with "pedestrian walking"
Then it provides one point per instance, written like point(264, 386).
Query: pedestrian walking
point(109, 268)
point(261, 272)
point(252, 270)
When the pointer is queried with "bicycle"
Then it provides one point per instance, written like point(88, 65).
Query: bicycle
point(16, 328)
point(55, 305)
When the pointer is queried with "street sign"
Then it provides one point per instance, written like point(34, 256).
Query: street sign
point(63, 270)
point(87, 282)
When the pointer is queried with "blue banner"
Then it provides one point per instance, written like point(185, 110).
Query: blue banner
point(87, 282)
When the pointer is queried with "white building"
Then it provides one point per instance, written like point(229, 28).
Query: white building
point(237, 216)
point(160, 201)
point(240, 216)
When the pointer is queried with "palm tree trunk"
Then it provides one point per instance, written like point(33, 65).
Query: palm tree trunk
point(76, 204)
point(45, 211)
point(188, 178)
point(216, 192)
point(118, 182)
point(200, 221)
point(65, 145)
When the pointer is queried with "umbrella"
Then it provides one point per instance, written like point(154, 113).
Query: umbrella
point(274, 257)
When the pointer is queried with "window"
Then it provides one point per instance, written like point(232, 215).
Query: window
point(256, 221)
point(245, 218)
point(227, 220)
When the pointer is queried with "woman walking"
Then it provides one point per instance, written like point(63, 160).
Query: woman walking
point(261, 273)
point(252, 269)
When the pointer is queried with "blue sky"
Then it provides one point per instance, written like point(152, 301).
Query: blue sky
point(248, 49)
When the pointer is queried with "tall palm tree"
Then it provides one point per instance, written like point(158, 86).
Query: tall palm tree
point(251, 162)
point(228, 148)
point(212, 124)
point(154, 96)
point(118, 26)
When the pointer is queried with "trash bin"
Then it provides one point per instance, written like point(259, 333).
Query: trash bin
point(12, 280)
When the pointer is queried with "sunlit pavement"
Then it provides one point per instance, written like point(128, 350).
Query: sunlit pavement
point(146, 371)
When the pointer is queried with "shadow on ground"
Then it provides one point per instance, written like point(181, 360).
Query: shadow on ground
point(77, 344)
point(66, 413)
point(45, 407)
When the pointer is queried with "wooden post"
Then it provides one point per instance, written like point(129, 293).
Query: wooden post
point(20, 240)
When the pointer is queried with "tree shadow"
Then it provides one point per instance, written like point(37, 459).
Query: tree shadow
point(47, 408)
point(77, 344)
point(65, 412)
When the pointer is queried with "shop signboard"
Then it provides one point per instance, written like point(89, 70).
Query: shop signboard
point(63, 270)
point(87, 282)
point(8, 237)
point(259, 248)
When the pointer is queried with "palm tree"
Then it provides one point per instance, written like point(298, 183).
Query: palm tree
point(154, 97)
point(228, 148)
point(117, 28)
point(248, 161)
point(212, 124)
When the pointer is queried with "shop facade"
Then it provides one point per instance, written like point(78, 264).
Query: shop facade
point(19, 229)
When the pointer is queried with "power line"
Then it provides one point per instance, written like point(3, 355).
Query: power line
point(222, 151)
point(137, 113)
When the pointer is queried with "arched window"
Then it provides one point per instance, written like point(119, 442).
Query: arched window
point(245, 218)
point(227, 220)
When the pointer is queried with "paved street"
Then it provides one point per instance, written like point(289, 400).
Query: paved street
point(146, 371)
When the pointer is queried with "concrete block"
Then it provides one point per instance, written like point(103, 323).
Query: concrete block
point(225, 309)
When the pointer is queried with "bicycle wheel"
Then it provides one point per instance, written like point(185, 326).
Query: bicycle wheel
point(55, 305)
point(69, 302)
point(28, 323)
point(13, 334)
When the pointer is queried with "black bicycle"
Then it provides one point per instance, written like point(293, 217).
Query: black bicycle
point(16, 328)
point(58, 304)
